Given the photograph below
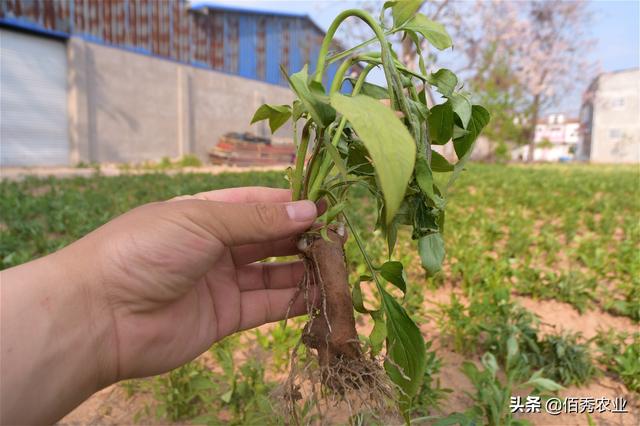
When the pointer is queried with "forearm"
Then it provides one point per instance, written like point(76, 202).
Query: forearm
point(52, 339)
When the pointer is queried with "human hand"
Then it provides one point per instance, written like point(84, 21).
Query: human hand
point(143, 294)
point(178, 275)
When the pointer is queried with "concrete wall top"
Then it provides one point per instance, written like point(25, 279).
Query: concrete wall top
point(126, 107)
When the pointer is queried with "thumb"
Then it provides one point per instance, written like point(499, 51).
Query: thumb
point(249, 223)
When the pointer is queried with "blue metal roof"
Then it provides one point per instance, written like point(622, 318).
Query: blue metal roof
point(208, 4)
point(225, 7)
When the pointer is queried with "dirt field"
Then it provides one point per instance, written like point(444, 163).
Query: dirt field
point(112, 406)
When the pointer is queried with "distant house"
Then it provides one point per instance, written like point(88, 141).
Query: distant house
point(126, 81)
point(610, 119)
point(556, 138)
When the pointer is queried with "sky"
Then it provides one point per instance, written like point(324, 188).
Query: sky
point(615, 28)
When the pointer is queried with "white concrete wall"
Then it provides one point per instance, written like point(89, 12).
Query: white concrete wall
point(127, 107)
point(616, 119)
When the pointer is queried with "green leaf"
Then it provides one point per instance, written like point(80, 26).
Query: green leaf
point(390, 146)
point(441, 123)
point(490, 364)
point(416, 42)
point(402, 217)
point(512, 350)
point(431, 248)
point(461, 106)
point(357, 161)
point(418, 108)
point(356, 295)
point(332, 212)
point(297, 110)
point(444, 80)
point(402, 10)
point(320, 111)
point(439, 163)
point(479, 119)
point(226, 397)
point(276, 114)
point(393, 272)
point(425, 220)
point(459, 132)
point(373, 90)
point(406, 350)
point(434, 32)
point(424, 177)
point(378, 333)
point(461, 419)
point(541, 383)
point(337, 160)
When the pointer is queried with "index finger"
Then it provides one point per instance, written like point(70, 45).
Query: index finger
point(247, 194)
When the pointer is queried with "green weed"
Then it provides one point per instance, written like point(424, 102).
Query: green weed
point(184, 392)
point(573, 288)
point(431, 394)
point(565, 360)
point(618, 357)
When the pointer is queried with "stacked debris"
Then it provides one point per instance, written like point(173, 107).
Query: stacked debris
point(246, 149)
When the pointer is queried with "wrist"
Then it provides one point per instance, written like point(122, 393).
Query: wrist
point(92, 317)
point(55, 332)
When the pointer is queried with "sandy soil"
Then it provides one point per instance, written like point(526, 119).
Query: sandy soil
point(111, 405)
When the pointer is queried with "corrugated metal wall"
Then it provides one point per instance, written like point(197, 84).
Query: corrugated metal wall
point(33, 101)
point(249, 44)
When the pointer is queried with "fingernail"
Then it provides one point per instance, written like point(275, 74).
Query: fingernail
point(302, 211)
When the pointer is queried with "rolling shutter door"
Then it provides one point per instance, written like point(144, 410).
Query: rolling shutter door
point(33, 100)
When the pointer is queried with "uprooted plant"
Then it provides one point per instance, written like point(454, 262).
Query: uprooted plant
point(380, 138)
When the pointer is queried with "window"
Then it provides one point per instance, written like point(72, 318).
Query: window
point(617, 103)
point(615, 134)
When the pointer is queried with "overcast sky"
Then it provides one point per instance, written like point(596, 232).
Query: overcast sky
point(616, 27)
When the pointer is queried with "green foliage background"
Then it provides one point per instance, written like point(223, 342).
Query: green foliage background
point(563, 232)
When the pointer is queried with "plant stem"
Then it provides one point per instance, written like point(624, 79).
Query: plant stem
point(394, 85)
point(300, 157)
point(380, 35)
point(313, 165)
point(424, 143)
point(360, 243)
point(331, 59)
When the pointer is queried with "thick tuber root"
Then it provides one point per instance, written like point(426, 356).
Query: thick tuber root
point(332, 328)
point(343, 373)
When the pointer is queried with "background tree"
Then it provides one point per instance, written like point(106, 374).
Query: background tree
point(521, 57)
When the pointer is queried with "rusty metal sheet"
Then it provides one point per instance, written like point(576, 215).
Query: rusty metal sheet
point(252, 43)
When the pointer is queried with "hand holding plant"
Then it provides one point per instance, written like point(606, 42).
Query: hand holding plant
point(355, 140)
point(144, 294)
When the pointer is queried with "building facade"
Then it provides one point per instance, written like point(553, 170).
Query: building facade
point(610, 119)
point(556, 138)
point(134, 80)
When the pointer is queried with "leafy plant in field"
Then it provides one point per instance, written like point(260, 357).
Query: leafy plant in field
point(278, 342)
point(573, 288)
point(183, 392)
point(565, 360)
point(619, 357)
point(40, 215)
point(487, 322)
point(247, 391)
point(492, 395)
point(357, 140)
point(491, 321)
point(241, 391)
point(628, 301)
point(190, 160)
